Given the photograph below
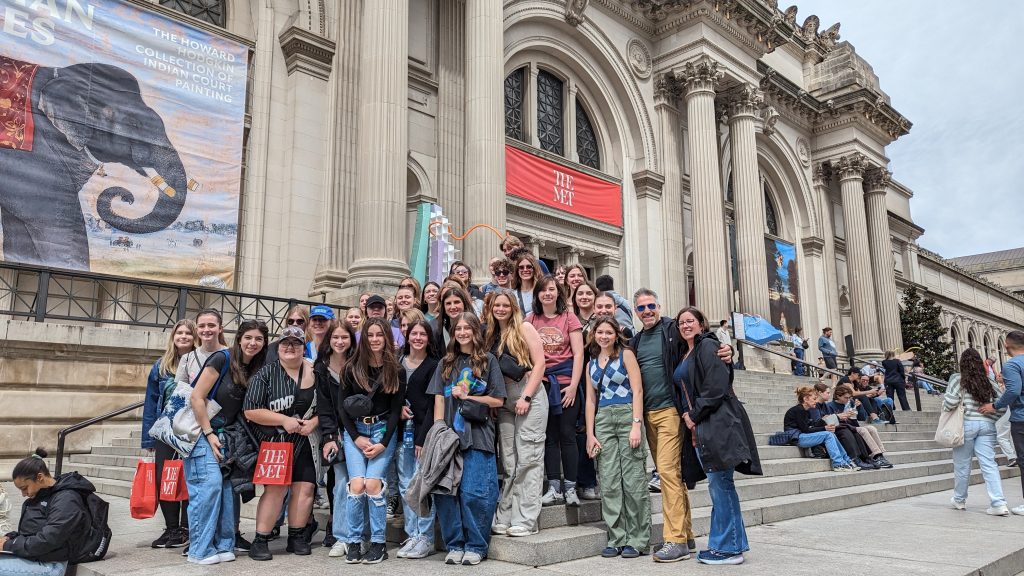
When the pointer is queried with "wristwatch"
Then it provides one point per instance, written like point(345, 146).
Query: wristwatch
point(637, 420)
point(528, 398)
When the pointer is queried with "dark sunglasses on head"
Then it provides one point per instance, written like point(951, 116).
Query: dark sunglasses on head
point(406, 286)
point(645, 307)
point(295, 322)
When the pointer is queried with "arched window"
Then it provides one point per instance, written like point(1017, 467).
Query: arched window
point(549, 112)
point(514, 104)
point(211, 11)
point(955, 339)
point(770, 219)
point(586, 139)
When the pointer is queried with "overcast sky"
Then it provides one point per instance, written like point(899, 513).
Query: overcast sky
point(955, 70)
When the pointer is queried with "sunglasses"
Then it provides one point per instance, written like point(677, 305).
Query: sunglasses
point(527, 267)
point(295, 322)
point(461, 272)
point(407, 286)
point(645, 307)
point(290, 343)
point(502, 272)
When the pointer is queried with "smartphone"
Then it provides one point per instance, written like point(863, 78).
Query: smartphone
point(332, 455)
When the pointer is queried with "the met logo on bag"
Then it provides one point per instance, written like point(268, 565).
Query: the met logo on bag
point(274, 464)
point(172, 482)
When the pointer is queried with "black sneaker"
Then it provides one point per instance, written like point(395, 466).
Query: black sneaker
point(241, 544)
point(882, 462)
point(299, 546)
point(377, 553)
point(260, 549)
point(184, 551)
point(329, 540)
point(355, 554)
point(394, 506)
point(161, 542)
point(178, 538)
point(275, 533)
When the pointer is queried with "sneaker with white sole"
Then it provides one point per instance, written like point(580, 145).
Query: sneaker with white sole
point(519, 531)
point(590, 493)
point(405, 547)
point(672, 552)
point(499, 529)
point(997, 511)
point(712, 557)
point(470, 558)
point(654, 484)
point(957, 505)
point(454, 557)
point(421, 548)
point(208, 561)
point(1018, 510)
point(226, 556)
point(551, 497)
point(338, 550)
point(571, 498)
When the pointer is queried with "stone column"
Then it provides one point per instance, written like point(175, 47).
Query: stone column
point(710, 255)
point(380, 258)
point(648, 187)
point(485, 131)
point(451, 97)
point(530, 106)
point(880, 243)
point(570, 122)
point(829, 308)
point(666, 99)
point(858, 256)
point(748, 202)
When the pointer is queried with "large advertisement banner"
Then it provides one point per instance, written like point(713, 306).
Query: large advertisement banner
point(783, 285)
point(534, 178)
point(120, 141)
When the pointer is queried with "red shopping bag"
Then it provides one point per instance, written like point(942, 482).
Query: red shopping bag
point(143, 498)
point(274, 464)
point(172, 482)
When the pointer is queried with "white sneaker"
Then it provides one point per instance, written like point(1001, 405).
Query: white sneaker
point(551, 497)
point(421, 548)
point(454, 557)
point(518, 531)
point(471, 558)
point(406, 546)
point(997, 511)
point(215, 559)
point(958, 505)
point(499, 529)
point(1018, 510)
point(339, 550)
point(590, 494)
point(571, 499)
point(226, 556)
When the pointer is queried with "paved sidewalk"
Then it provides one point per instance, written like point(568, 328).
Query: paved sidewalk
point(920, 535)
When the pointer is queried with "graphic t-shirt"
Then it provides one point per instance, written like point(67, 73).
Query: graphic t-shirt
point(554, 335)
point(491, 383)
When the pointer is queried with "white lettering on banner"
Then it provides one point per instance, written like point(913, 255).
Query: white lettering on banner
point(16, 24)
point(41, 15)
point(564, 192)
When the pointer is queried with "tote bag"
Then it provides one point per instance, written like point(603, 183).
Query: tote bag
point(177, 426)
point(172, 482)
point(143, 498)
point(274, 464)
point(950, 432)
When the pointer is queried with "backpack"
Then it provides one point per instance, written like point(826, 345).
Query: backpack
point(98, 539)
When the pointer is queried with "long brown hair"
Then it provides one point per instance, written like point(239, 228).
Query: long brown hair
point(510, 339)
point(444, 322)
point(359, 366)
point(169, 361)
point(324, 353)
point(974, 378)
point(620, 341)
point(240, 374)
point(478, 356)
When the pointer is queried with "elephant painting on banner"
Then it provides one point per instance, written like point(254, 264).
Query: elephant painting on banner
point(58, 128)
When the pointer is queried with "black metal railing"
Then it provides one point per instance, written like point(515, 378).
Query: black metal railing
point(43, 294)
point(807, 363)
point(63, 434)
point(935, 382)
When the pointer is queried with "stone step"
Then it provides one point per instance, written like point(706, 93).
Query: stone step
point(574, 542)
point(887, 435)
point(769, 426)
point(120, 451)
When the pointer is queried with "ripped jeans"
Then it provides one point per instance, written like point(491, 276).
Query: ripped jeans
point(360, 467)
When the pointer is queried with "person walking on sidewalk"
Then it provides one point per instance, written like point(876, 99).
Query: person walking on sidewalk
point(1012, 397)
point(614, 414)
point(972, 388)
point(718, 436)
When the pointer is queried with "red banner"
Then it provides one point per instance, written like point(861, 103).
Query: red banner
point(533, 178)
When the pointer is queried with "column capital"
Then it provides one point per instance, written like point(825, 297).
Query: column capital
point(877, 180)
point(822, 174)
point(851, 166)
point(648, 184)
point(667, 88)
point(745, 101)
point(700, 76)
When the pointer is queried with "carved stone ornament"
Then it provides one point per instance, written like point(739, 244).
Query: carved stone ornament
point(746, 100)
point(851, 166)
point(822, 174)
point(574, 11)
point(639, 58)
point(701, 75)
point(877, 180)
point(667, 87)
point(803, 151)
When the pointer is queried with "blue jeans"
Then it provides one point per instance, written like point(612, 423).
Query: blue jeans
point(359, 467)
point(13, 566)
point(727, 533)
point(407, 467)
point(211, 504)
point(835, 449)
point(799, 369)
point(339, 522)
point(980, 441)
point(466, 518)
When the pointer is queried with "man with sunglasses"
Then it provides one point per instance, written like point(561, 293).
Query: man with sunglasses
point(657, 348)
point(501, 275)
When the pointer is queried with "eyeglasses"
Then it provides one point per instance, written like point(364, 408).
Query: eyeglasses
point(688, 322)
point(295, 322)
point(502, 272)
point(526, 267)
point(645, 307)
point(290, 343)
point(461, 272)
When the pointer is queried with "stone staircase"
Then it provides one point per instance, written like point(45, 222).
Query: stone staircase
point(792, 486)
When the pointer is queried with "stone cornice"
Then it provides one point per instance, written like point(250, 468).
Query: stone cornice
point(952, 267)
point(545, 224)
point(648, 184)
point(307, 52)
point(813, 246)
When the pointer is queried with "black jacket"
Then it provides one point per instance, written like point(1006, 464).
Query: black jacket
point(670, 354)
point(328, 405)
point(798, 418)
point(422, 404)
point(55, 524)
point(894, 372)
point(724, 434)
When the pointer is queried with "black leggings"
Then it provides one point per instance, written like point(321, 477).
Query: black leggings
point(561, 455)
point(175, 513)
point(894, 390)
point(853, 443)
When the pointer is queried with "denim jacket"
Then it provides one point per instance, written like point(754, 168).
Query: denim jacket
point(156, 393)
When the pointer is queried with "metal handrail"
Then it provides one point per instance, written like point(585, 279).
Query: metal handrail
point(791, 357)
point(62, 435)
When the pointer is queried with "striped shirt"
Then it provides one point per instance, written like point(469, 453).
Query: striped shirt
point(273, 389)
point(611, 382)
point(954, 393)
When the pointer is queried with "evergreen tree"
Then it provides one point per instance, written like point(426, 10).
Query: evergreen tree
point(922, 329)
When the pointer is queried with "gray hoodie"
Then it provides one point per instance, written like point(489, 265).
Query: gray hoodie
point(440, 469)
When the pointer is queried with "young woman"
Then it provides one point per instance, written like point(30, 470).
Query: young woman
point(407, 318)
point(466, 383)
point(972, 387)
point(405, 299)
point(583, 297)
point(390, 313)
point(410, 282)
point(369, 438)
point(330, 365)
point(615, 439)
point(320, 318)
point(282, 401)
point(454, 300)
point(559, 274)
point(54, 521)
point(562, 336)
point(575, 275)
point(522, 418)
point(431, 303)
point(527, 273)
point(604, 305)
point(362, 302)
point(724, 440)
point(419, 362)
point(895, 379)
point(814, 432)
point(213, 506)
point(297, 316)
point(354, 318)
point(183, 339)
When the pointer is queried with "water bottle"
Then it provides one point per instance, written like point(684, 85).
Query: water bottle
point(408, 437)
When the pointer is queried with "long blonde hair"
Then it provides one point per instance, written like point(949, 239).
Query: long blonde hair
point(511, 339)
point(169, 361)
